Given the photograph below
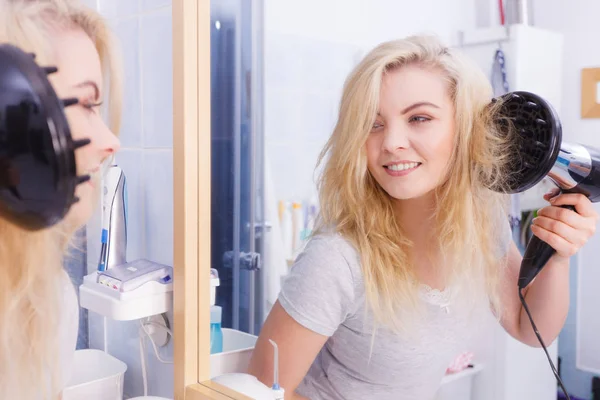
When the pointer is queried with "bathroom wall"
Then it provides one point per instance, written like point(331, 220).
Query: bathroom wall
point(578, 22)
point(144, 30)
point(310, 47)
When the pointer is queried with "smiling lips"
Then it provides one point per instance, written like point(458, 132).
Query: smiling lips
point(401, 168)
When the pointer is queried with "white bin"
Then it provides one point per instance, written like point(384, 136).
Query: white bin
point(96, 376)
point(459, 385)
point(235, 357)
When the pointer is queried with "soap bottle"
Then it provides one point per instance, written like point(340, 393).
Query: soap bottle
point(216, 334)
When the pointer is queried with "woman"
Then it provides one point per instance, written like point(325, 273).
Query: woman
point(412, 247)
point(38, 304)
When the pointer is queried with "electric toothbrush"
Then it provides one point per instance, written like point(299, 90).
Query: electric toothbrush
point(113, 219)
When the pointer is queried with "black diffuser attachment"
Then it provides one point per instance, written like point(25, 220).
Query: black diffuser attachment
point(37, 153)
point(535, 135)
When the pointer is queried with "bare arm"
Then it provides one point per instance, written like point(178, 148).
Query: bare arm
point(548, 295)
point(547, 298)
point(298, 347)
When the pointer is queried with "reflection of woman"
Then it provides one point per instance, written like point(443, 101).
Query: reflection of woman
point(38, 305)
point(411, 246)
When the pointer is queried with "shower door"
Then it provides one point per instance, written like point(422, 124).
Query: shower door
point(237, 200)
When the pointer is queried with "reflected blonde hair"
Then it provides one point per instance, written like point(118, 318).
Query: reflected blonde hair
point(32, 278)
point(468, 215)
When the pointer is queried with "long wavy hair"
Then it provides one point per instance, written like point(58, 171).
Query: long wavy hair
point(32, 278)
point(468, 214)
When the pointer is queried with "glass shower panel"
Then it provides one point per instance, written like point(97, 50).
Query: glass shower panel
point(236, 151)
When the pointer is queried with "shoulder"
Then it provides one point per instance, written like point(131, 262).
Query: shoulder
point(322, 288)
point(333, 252)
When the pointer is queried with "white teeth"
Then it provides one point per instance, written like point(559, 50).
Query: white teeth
point(402, 167)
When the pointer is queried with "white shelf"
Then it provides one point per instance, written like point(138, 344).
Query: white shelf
point(152, 298)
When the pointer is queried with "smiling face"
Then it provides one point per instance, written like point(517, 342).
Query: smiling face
point(80, 76)
point(412, 139)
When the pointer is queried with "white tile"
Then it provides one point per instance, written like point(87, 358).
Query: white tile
point(162, 382)
point(283, 61)
point(96, 330)
point(292, 170)
point(118, 9)
point(157, 79)
point(284, 115)
point(150, 4)
point(158, 200)
point(123, 344)
point(128, 32)
point(319, 116)
point(131, 162)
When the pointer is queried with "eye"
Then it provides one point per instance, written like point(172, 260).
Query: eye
point(418, 119)
point(377, 125)
point(90, 106)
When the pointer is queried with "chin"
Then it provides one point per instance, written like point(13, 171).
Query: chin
point(408, 193)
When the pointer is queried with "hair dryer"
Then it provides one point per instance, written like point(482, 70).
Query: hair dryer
point(536, 134)
point(37, 153)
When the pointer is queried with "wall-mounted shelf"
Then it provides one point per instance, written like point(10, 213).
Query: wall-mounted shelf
point(150, 299)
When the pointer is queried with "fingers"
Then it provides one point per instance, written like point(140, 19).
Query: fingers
point(561, 229)
point(563, 247)
point(582, 204)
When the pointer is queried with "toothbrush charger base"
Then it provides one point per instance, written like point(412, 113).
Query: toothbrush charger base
point(152, 298)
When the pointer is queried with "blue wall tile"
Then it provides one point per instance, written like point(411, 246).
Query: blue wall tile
point(128, 32)
point(158, 200)
point(117, 9)
point(157, 78)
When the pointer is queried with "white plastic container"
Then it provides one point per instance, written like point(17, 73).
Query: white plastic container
point(459, 385)
point(235, 357)
point(96, 376)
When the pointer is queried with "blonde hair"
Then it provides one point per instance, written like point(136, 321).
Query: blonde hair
point(468, 214)
point(32, 278)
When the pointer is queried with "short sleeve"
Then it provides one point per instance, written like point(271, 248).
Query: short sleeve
point(319, 290)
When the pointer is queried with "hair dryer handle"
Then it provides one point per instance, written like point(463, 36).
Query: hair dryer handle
point(536, 256)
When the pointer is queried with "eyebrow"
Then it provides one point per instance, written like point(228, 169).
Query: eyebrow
point(419, 104)
point(416, 105)
point(91, 84)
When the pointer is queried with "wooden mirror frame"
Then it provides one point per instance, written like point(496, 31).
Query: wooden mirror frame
point(191, 203)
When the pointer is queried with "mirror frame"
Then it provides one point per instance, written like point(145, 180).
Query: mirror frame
point(191, 203)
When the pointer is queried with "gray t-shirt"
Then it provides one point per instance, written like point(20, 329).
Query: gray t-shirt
point(325, 293)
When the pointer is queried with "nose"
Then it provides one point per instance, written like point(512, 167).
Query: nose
point(395, 137)
point(107, 142)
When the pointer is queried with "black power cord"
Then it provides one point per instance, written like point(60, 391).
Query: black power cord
point(537, 333)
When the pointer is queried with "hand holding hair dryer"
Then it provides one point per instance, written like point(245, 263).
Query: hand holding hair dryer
point(534, 131)
point(536, 135)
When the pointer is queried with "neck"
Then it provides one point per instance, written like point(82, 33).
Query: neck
point(415, 217)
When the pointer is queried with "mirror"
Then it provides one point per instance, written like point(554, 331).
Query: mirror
point(278, 68)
